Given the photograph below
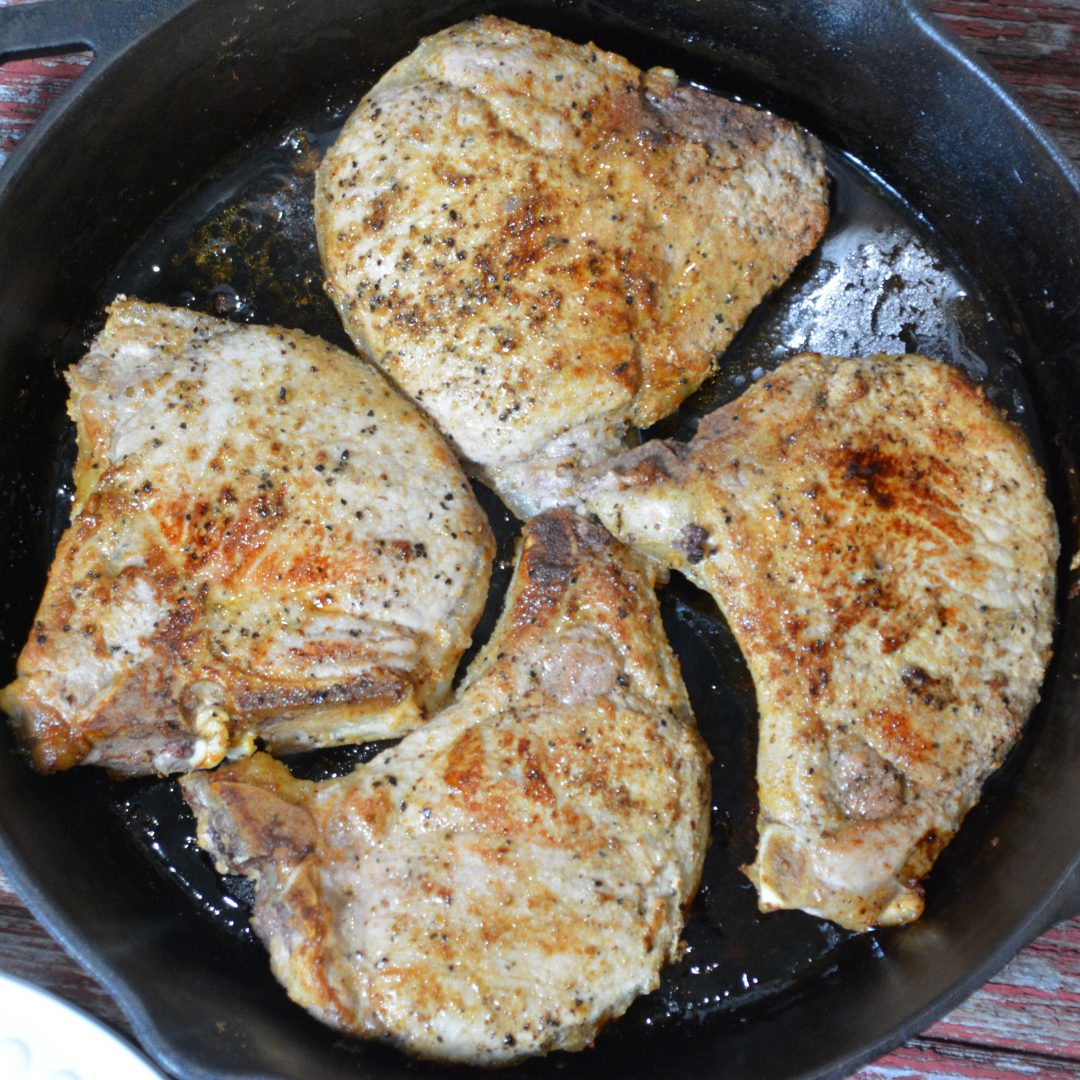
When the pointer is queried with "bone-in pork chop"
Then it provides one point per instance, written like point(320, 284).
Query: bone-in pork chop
point(511, 875)
point(267, 541)
point(880, 540)
point(542, 244)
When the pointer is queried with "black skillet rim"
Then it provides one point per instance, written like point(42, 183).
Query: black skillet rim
point(1053, 903)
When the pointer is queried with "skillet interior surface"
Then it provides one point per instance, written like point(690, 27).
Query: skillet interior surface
point(222, 222)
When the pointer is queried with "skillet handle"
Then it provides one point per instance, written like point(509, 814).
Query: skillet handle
point(104, 27)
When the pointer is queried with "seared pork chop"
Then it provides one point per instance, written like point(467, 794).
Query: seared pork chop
point(881, 543)
point(513, 874)
point(542, 244)
point(266, 541)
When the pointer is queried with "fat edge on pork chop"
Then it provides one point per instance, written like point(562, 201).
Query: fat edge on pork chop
point(509, 877)
point(267, 541)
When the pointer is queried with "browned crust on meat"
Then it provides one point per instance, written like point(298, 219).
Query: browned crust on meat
point(879, 537)
point(220, 579)
point(533, 236)
point(507, 879)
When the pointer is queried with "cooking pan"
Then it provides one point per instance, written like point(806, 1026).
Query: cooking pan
point(178, 168)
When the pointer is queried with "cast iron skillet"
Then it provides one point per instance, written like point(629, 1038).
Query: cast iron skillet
point(186, 103)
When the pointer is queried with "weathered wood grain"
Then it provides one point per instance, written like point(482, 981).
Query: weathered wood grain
point(1034, 48)
point(927, 1059)
point(1025, 1023)
point(27, 88)
point(1034, 1006)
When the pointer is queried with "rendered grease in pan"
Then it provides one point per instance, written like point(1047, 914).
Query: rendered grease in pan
point(242, 245)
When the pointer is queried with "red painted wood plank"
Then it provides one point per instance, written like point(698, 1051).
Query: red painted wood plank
point(977, 12)
point(1034, 48)
point(27, 88)
point(926, 1059)
point(1023, 1023)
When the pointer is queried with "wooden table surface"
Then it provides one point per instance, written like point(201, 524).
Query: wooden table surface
point(1026, 1021)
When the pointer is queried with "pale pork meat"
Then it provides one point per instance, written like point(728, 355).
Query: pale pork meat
point(881, 543)
point(267, 541)
point(510, 876)
point(542, 244)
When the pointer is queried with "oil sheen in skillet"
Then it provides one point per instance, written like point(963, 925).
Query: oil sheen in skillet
point(242, 245)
